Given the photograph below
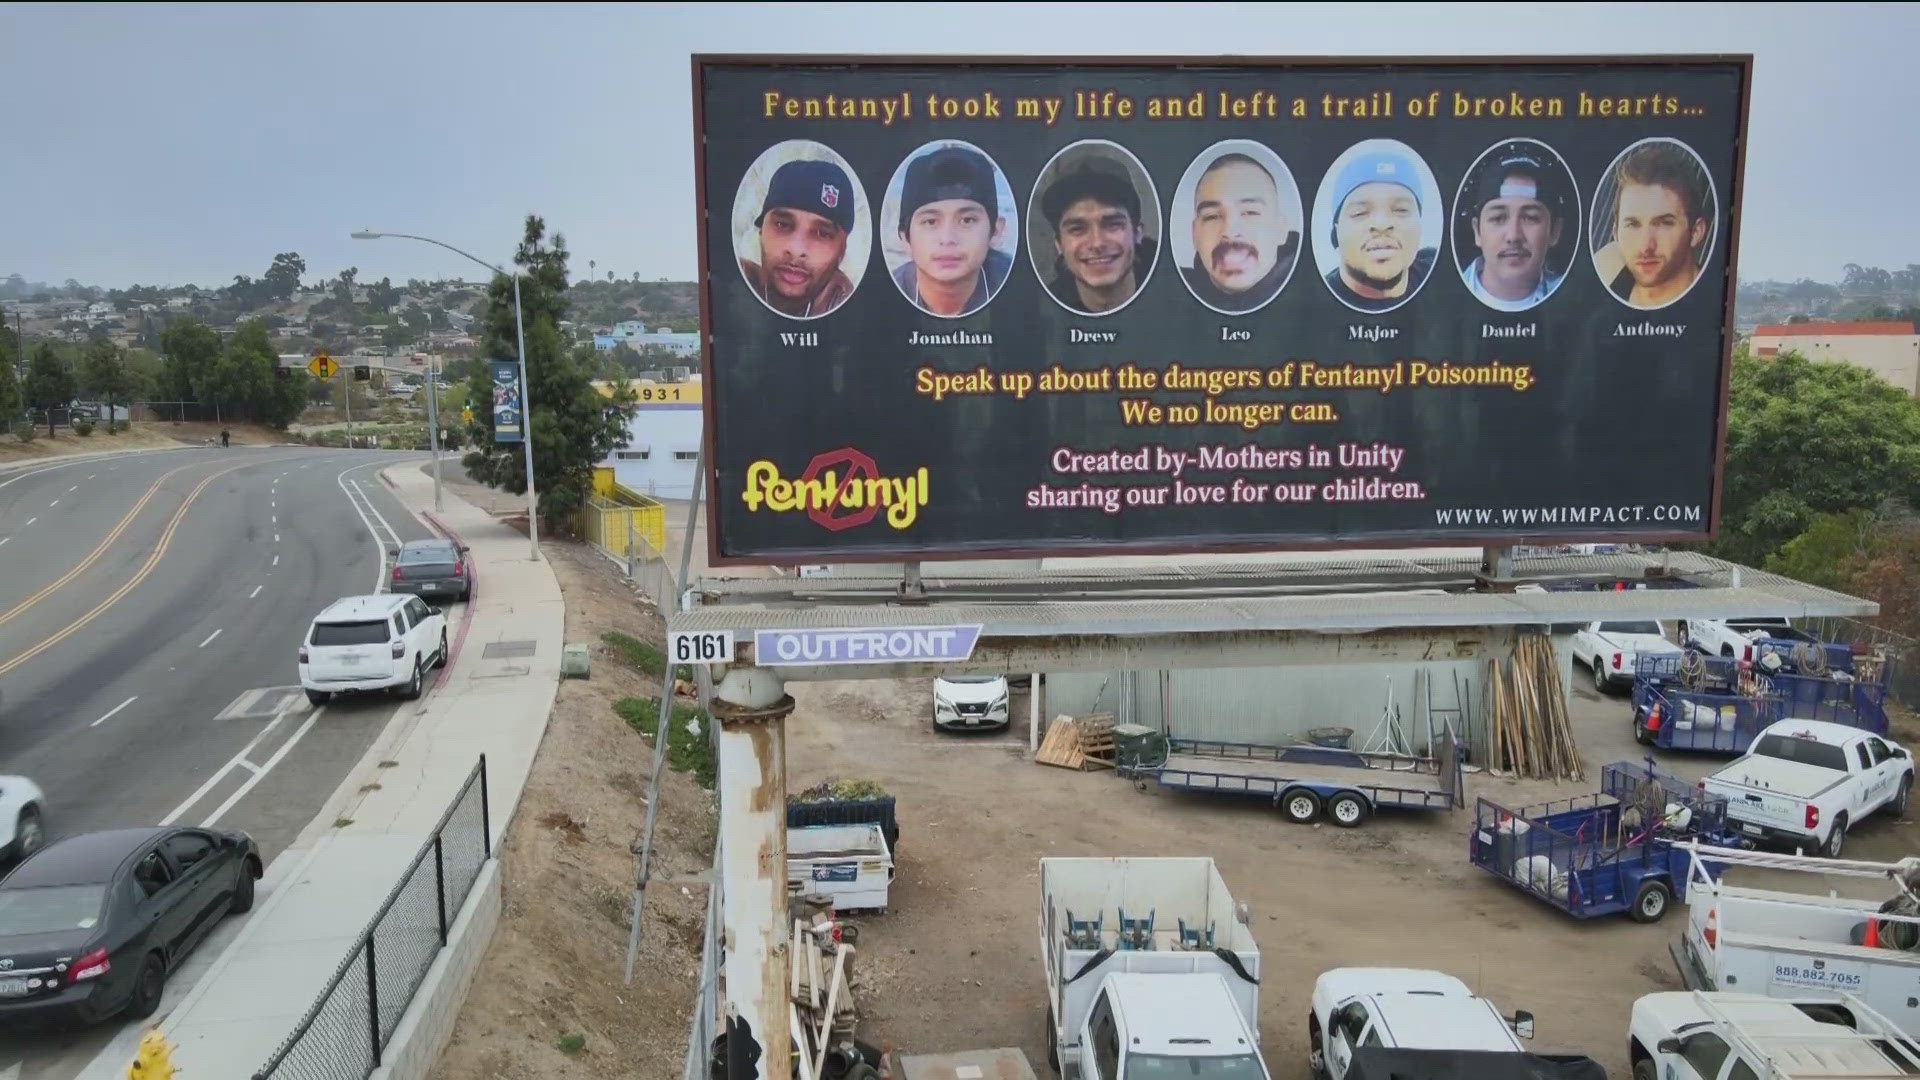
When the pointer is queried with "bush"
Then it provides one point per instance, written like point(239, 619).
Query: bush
point(121, 427)
point(642, 657)
point(26, 433)
point(83, 428)
point(686, 751)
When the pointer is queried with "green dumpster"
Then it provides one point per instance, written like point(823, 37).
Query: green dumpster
point(1138, 746)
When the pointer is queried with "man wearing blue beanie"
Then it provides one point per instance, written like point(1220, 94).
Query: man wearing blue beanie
point(1376, 227)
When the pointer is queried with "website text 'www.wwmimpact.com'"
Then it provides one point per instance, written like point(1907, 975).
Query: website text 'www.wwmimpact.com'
point(1571, 515)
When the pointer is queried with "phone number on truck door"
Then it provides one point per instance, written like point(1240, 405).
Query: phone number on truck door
point(1819, 976)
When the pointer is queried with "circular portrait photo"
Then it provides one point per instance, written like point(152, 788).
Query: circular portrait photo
point(949, 229)
point(1516, 224)
point(1654, 215)
point(1377, 225)
point(1234, 226)
point(1093, 227)
point(802, 229)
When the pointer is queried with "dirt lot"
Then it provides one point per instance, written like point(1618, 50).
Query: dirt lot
point(955, 964)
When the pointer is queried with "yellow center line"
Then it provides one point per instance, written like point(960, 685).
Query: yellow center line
point(94, 556)
point(153, 560)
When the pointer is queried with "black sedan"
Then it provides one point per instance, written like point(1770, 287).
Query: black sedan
point(90, 926)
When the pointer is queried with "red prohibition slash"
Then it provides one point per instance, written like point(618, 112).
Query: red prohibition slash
point(859, 467)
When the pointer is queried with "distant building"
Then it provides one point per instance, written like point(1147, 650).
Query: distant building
point(1890, 350)
point(635, 335)
point(663, 439)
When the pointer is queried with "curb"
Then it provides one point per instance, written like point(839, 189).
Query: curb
point(473, 595)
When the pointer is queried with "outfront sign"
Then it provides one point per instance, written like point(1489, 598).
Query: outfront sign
point(868, 645)
point(997, 306)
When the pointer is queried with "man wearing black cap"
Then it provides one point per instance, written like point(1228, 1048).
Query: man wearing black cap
point(803, 225)
point(1103, 250)
point(950, 218)
point(1520, 209)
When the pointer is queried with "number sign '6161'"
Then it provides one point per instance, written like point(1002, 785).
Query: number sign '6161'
point(700, 647)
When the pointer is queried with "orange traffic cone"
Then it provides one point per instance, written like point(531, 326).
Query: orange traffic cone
point(1873, 934)
point(1653, 720)
point(1712, 932)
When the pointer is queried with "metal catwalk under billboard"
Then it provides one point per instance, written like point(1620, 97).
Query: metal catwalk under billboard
point(1011, 306)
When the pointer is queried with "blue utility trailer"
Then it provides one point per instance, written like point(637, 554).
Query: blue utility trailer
point(1305, 781)
point(1602, 854)
point(1720, 705)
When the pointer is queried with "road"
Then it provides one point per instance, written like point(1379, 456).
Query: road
point(151, 609)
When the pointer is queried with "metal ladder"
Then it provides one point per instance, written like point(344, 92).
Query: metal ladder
point(1451, 719)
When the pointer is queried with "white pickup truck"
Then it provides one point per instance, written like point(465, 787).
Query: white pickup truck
point(1701, 1036)
point(1804, 783)
point(1402, 1008)
point(1734, 637)
point(1612, 649)
point(1151, 971)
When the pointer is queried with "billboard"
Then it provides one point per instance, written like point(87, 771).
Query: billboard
point(964, 308)
point(509, 414)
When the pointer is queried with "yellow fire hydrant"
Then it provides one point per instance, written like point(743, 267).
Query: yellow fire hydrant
point(155, 1059)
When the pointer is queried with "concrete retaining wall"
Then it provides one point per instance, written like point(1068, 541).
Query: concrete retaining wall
point(427, 1026)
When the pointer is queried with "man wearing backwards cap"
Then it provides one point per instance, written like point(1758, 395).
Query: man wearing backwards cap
point(1519, 212)
point(1376, 226)
point(950, 218)
point(803, 225)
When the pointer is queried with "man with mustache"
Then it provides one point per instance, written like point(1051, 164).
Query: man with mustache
point(1102, 246)
point(803, 224)
point(1660, 221)
point(1519, 209)
point(949, 218)
point(1244, 245)
point(1376, 227)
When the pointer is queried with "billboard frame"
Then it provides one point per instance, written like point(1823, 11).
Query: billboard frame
point(827, 555)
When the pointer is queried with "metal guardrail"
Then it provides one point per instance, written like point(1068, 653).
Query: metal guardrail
point(344, 1034)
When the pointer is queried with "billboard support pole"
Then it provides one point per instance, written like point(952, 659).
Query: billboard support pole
point(912, 589)
point(1496, 564)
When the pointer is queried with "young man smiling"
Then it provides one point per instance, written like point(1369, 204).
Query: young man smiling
point(950, 219)
point(1103, 252)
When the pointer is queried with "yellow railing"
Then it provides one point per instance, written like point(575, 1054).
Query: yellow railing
point(614, 512)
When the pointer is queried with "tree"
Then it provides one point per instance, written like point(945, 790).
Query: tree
point(10, 399)
point(283, 277)
point(190, 347)
point(104, 373)
point(573, 425)
point(396, 335)
point(50, 383)
point(343, 286)
point(381, 295)
point(1807, 438)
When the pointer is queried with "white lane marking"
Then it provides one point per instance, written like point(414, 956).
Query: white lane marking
point(276, 560)
point(31, 520)
point(92, 475)
point(53, 504)
point(115, 709)
point(276, 538)
point(73, 489)
point(276, 519)
point(250, 767)
point(4, 539)
point(254, 780)
point(255, 592)
point(210, 638)
point(222, 771)
point(364, 507)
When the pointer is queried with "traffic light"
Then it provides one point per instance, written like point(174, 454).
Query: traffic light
point(281, 373)
point(362, 372)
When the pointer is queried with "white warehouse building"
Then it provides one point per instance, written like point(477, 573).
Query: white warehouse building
point(662, 447)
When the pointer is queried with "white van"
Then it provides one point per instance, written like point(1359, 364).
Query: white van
point(381, 642)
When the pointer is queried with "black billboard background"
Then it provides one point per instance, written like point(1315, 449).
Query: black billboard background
point(1612, 421)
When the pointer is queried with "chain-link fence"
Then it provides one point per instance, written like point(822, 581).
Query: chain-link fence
point(1902, 652)
point(343, 1036)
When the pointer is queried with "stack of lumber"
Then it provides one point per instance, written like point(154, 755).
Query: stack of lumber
point(1078, 743)
point(1527, 714)
point(818, 976)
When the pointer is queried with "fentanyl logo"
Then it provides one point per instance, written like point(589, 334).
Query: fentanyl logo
point(829, 196)
point(839, 490)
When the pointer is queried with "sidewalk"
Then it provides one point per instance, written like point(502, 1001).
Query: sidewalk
point(308, 918)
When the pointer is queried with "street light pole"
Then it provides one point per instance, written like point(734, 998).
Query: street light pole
point(526, 413)
point(433, 422)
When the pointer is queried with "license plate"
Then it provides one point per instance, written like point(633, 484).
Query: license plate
point(13, 988)
point(349, 659)
point(1752, 830)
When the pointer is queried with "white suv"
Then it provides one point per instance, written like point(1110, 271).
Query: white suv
point(381, 642)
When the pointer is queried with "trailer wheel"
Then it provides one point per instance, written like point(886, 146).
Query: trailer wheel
point(1348, 809)
point(1650, 902)
point(1300, 805)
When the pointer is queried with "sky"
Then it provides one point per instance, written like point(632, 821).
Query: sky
point(174, 143)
